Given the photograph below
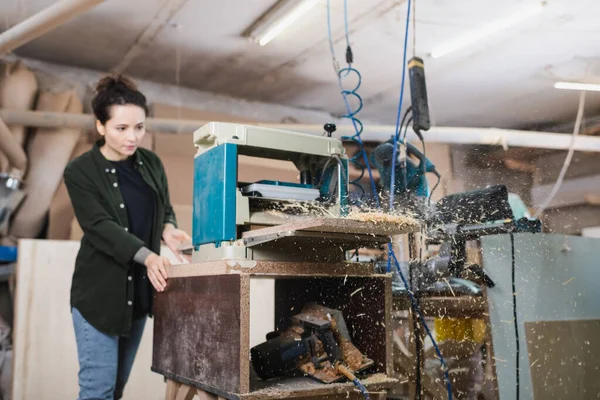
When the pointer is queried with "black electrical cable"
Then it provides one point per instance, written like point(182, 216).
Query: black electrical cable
point(406, 113)
point(416, 330)
point(424, 155)
point(404, 171)
point(514, 298)
point(439, 178)
point(406, 129)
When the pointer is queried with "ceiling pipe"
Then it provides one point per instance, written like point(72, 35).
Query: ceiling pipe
point(372, 133)
point(43, 22)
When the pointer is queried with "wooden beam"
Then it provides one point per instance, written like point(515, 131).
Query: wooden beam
point(43, 22)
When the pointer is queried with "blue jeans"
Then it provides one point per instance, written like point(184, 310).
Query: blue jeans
point(105, 361)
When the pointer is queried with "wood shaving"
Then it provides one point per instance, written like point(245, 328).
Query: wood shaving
point(379, 217)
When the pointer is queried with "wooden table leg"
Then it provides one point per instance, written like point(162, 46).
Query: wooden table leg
point(172, 388)
point(179, 391)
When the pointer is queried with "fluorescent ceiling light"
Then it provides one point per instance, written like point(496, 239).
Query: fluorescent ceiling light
point(489, 30)
point(283, 14)
point(577, 86)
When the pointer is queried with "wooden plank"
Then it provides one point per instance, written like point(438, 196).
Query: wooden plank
point(308, 239)
point(453, 307)
point(44, 335)
point(563, 358)
point(244, 334)
point(270, 268)
point(337, 225)
point(197, 331)
point(186, 393)
point(172, 389)
point(305, 388)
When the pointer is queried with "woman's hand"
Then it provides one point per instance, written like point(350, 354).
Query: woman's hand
point(174, 238)
point(157, 270)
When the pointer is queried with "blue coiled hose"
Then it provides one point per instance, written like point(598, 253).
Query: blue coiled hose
point(352, 114)
point(358, 127)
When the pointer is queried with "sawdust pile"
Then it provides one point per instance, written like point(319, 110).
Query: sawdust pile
point(327, 372)
point(380, 217)
point(352, 356)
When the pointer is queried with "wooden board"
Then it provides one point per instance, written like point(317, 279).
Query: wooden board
point(449, 307)
point(197, 331)
point(271, 268)
point(335, 225)
point(44, 338)
point(563, 358)
point(306, 388)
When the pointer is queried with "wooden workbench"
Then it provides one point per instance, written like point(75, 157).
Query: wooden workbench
point(201, 330)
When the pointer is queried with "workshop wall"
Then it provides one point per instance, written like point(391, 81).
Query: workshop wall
point(82, 81)
point(176, 151)
point(577, 205)
point(43, 335)
point(472, 171)
point(556, 284)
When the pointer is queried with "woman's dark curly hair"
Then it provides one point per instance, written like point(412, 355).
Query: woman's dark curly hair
point(116, 90)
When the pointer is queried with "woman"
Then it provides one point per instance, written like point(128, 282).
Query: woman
point(121, 200)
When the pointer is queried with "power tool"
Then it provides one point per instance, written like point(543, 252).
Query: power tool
point(459, 218)
point(409, 177)
point(314, 345)
point(418, 95)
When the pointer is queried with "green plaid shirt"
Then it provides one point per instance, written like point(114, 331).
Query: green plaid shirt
point(102, 286)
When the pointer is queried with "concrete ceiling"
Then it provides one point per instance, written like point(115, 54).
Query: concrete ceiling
point(504, 81)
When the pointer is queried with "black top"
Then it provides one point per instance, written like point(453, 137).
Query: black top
point(140, 202)
point(101, 289)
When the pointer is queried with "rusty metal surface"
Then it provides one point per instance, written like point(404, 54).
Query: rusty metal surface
point(197, 331)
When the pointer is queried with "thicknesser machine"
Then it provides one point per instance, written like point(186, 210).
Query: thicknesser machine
point(225, 208)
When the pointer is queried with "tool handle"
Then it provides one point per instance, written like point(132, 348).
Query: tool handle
point(413, 150)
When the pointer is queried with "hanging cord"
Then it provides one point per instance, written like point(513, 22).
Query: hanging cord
point(395, 151)
point(404, 168)
point(391, 254)
point(417, 311)
point(514, 299)
point(567, 162)
point(414, 27)
point(350, 375)
point(358, 126)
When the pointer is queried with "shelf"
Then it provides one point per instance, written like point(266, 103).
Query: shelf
point(306, 387)
point(450, 307)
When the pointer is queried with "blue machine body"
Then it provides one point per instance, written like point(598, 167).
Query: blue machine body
point(215, 181)
point(416, 180)
point(215, 193)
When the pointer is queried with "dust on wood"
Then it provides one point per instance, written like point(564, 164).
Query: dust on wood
point(293, 388)
point(380, 217)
